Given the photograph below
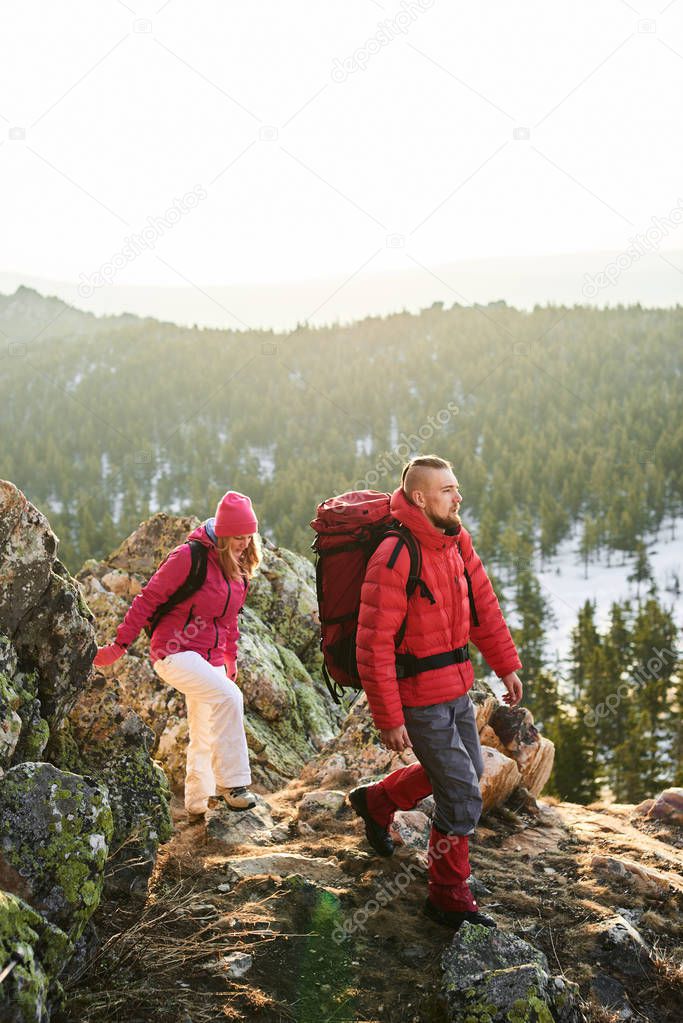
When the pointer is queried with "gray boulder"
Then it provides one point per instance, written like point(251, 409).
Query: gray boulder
point(55, 830)
point(106, 740)
point(494, 975)
point(32, 955)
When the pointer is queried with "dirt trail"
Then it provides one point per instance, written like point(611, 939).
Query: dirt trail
point(166, 960)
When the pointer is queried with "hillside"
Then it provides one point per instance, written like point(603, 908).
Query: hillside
point(552, 877)
point(114, 906)
point(551, 417)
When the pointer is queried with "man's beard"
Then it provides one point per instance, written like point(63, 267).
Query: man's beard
point(451, 522)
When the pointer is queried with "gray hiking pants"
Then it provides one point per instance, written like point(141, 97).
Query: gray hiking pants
point(446, 742)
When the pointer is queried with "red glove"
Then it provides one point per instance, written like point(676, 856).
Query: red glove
point(231, 667)
point(108, 654)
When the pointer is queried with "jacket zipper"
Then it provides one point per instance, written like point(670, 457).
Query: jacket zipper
point(189, 618)
point(215, 621)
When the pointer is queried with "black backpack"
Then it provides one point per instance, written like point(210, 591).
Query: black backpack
point(194, 581)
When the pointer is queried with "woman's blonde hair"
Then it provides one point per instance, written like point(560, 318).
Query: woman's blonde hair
point(248, 562)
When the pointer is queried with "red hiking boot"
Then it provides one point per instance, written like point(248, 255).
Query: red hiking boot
point(450, 901)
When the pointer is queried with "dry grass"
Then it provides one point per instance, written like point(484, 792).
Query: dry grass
point(299, 974)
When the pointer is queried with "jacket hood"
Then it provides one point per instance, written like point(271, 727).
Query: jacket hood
point(203, 533)
point(418, 523)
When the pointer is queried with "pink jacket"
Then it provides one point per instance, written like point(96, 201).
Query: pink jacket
point(206, 622)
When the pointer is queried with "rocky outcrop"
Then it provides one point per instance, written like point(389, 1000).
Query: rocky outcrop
point(80, 797)
point(104, 738)
point(41, 607)
point(33, 953)
point(288, 713)
point(667, 806)
point(55, 830)
point(512, 731)
point(497, 976)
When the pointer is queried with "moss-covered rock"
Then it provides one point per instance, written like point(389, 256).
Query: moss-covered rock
point(55, 830)
point(492, 976)
point(35, 731)
point(57, 641)
point(42, 609)
point(107, 741)
point(24, 733)
point(33, 952)
point(283, 594)
point(10, 721)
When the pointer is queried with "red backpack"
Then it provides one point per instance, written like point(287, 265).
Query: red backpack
point(349, 528)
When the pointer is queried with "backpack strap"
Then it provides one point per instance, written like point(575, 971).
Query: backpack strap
point(195, 580)
point(470, 591)
point(406, 538)
point(246, 587)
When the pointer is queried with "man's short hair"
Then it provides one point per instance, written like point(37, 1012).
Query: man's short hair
point(428, 461)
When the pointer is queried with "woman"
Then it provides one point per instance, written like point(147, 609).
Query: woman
point(194, 649)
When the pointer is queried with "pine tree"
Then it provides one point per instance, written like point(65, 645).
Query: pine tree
point(574, 770)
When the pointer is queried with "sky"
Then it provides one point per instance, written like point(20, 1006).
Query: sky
point(255, 146)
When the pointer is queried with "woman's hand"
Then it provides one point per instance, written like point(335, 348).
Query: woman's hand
point(107, 655)
point(231, 667)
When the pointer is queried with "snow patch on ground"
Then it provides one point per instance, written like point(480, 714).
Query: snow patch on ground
point(565, 586)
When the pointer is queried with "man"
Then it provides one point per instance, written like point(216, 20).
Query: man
point(421, 701)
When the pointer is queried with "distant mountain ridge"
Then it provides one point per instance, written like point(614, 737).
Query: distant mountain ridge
point(27, 315)
point(569, 279)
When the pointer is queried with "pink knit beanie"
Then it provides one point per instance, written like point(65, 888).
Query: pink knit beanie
point(235, 515)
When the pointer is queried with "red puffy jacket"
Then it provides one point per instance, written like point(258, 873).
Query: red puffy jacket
point(430, 628)
point(205, 622)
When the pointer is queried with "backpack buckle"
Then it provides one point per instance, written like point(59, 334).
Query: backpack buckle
point(406, 665)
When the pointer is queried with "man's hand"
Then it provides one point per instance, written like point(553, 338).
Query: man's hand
point(514, 689)
point(396, 738)
point(107, 655)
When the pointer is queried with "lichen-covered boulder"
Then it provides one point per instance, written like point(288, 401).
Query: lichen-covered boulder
point(57, 640)
point(33, 952)
point(28, 548)
point(24, 733)
point(55, 830)
point(492, 975)
point(42, 610)
point(10, 722)
point(286, 719)
point(283, 594)
point(106, 740)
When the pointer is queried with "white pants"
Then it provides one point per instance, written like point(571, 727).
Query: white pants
point(217, 753)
